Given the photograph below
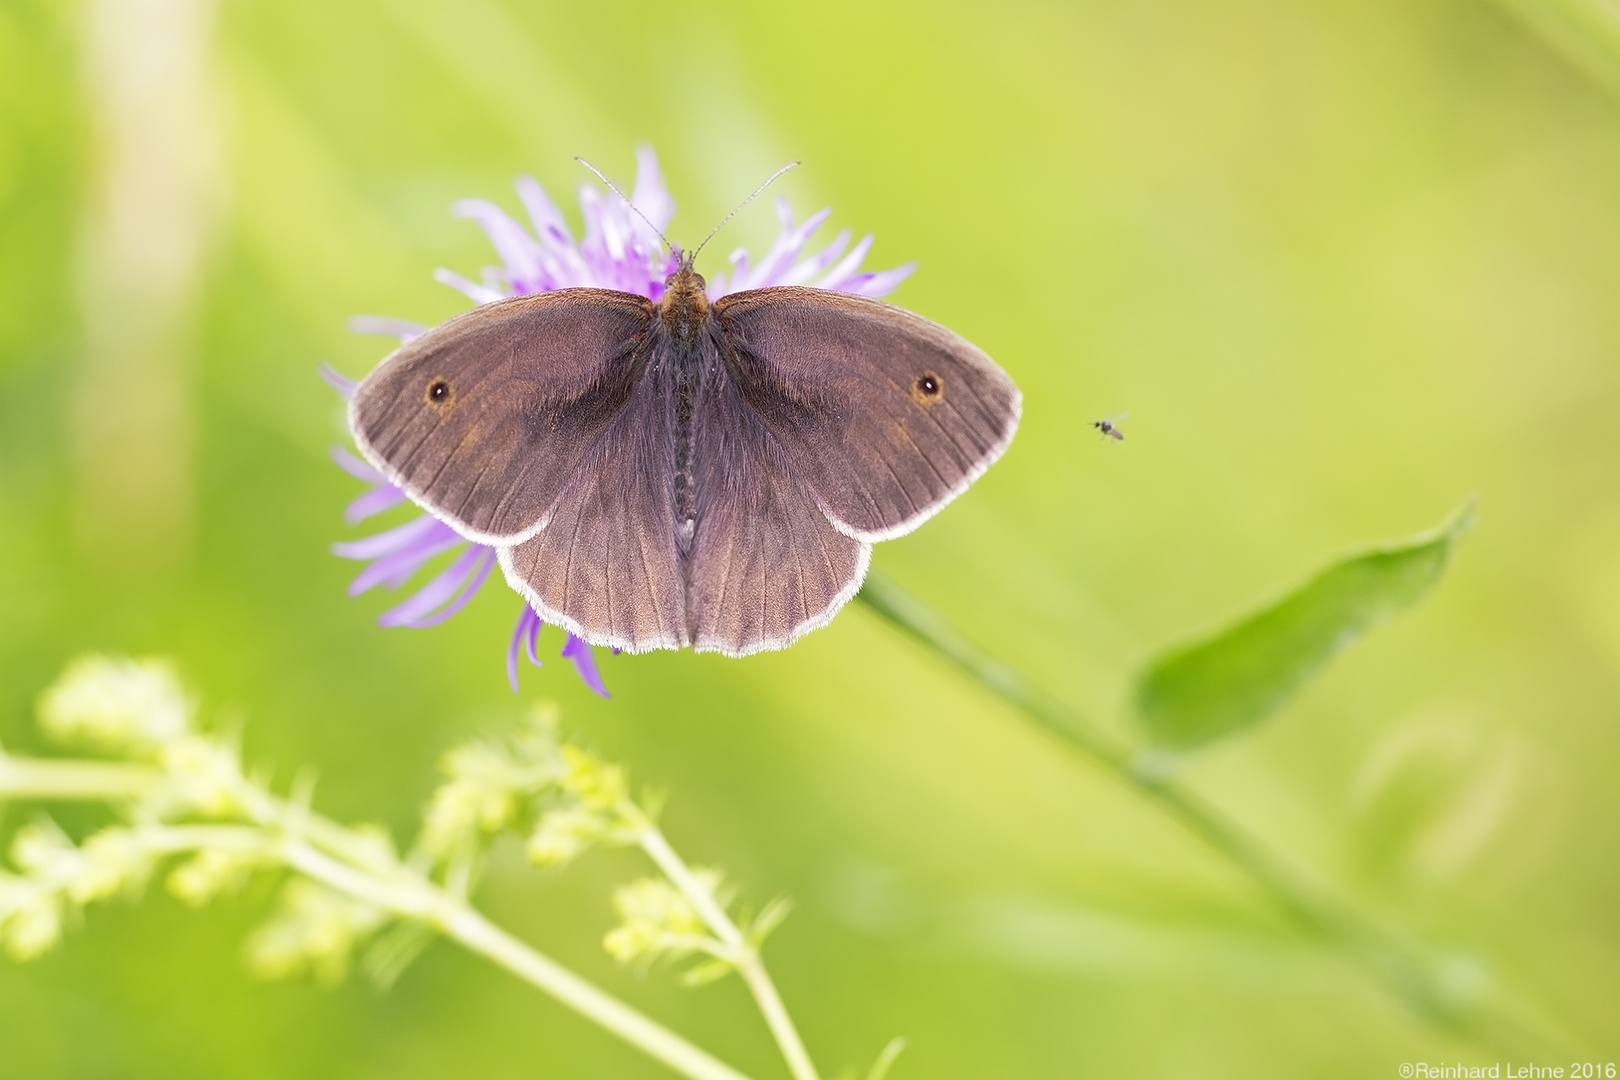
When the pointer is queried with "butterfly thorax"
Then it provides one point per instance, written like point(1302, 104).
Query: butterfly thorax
point(684, 312)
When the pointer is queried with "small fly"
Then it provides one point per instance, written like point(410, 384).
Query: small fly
point(1110, 427)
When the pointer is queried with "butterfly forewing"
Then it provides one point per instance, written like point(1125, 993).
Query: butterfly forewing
point(486, 419)
point(884, 415)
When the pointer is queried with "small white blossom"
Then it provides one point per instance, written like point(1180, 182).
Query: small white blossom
point(656, 920)
point(210, 873)
point(562, 835)
point(117, 704)
point(43, 851)
point(30, 917)
point(59, 878)
point(206, 778)
point(316, 930)
point(487, 786)
point(221, 824)
point(115, 860)
point(659, 922)
point(491, 783)
point(597, 784)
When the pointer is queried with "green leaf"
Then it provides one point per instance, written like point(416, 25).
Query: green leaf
point(1199, 692)
point(768, 919)
point(880, 1067)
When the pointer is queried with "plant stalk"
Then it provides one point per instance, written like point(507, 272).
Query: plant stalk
point(47, 780)
point(746, 956)
point(1403, 964)
point(418, 898)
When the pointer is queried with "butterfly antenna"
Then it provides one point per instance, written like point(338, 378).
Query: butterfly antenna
point(771, 180)
point(633, 207)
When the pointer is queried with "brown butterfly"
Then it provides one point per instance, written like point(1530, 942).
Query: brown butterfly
point(657, 475)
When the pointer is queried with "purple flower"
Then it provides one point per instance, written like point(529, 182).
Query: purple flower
point(618, 251)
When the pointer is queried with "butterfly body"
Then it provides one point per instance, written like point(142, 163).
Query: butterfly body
point(685, 473)
point(683, 318)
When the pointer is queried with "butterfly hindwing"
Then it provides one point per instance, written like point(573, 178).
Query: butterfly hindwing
point(766, 566)
point(884, 415)
point(485, 419)
point(606, 565)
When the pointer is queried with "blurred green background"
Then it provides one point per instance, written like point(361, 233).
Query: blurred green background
point(1345, 263)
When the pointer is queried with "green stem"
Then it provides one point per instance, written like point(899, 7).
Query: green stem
point(749, 963)
point(1405, 965)
point(44, 780)
point(419, 899)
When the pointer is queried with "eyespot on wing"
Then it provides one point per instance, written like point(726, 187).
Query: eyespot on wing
point(484, 419)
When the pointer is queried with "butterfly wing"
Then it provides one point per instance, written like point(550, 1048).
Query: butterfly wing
point(486, 419)
point(766, 566)
point(884, 416)
point(606, 565)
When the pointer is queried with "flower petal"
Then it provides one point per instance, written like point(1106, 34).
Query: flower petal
point(650, 196)
point(848, 266)
point(548, 222)
point(579, 652)
point(533, 640)
point(524, 634)
point(478, 294)
point(395, 570)
point(789, 242)
point(453, 587)
point(372, 503)
point(517, 249)
point(360, 470)
point(805, 269)
point(383, 326)
point(419, 530)
point(881, 283)
point(341, 383)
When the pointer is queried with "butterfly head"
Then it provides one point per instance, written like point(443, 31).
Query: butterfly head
point(685, 278)
point(686, 300)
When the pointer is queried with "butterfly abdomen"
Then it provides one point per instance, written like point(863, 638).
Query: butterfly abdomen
point(684, 380)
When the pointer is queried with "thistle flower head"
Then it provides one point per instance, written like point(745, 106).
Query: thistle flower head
point(620, 249)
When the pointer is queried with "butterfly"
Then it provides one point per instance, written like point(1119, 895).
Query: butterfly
point(685, 473)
